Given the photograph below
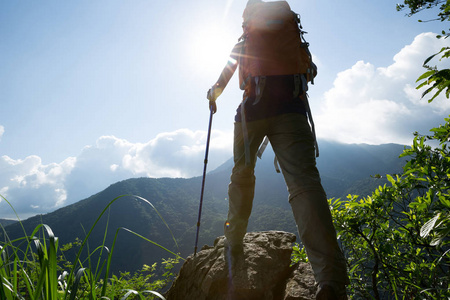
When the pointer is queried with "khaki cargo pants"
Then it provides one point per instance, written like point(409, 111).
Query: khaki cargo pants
point(292, 141)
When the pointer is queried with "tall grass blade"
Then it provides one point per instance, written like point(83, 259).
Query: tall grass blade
point(39, 285)
point(154, 243)
point(11, 294)
point(164, 221)
point(130, 292)
point(52, 278)
point(5, 292)
point(27, 281)
point(15, 213)
point(14, 277)
point(108, 264)
point(5, 289)
point(155, 293)
point(100, 268)
point(87, 237)
point(45, 284)
point(76, 283)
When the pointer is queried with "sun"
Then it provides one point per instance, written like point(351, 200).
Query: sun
point(210, 47)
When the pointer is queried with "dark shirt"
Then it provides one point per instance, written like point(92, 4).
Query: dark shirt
point(277, 98)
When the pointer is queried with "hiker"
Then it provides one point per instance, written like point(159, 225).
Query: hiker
point(274, 77)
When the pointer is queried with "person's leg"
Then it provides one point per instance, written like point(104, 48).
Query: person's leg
point(242, 186)
point(293, 144)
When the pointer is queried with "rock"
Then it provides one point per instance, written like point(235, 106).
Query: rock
point(263, 272)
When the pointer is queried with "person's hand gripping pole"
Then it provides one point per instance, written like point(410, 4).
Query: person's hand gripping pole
point(213, 93)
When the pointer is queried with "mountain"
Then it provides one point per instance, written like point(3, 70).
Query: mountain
point(344, 169)
point(6, 222)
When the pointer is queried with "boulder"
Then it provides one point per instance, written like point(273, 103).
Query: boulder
point(262, 272)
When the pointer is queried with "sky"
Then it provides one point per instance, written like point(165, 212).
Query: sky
point(94, 92)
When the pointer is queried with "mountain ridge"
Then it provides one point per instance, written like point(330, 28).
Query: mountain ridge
point(343, 168)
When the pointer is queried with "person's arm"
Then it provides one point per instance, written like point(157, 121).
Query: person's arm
point(216, 90)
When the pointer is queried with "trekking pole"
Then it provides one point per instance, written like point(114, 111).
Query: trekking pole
point(203, 181)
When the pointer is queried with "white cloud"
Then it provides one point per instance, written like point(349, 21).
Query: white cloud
point(379, 105)
point(33, 187)
point(2, 131)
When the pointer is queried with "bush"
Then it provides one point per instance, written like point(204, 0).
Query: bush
point(397, 240)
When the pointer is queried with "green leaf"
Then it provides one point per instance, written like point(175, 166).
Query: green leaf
point(436, 241)
point(390, 179)
point(430, 58)
point(426, 75)
point(428, 226)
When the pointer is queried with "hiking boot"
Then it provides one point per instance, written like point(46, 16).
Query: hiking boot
point(331, 291)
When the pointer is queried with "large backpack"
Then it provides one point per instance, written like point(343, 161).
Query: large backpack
point(273, 43)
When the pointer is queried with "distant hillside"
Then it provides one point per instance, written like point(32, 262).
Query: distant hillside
point(344, 169)
point(6, 222)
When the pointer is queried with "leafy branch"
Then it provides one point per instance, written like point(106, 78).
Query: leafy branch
point(438, 80)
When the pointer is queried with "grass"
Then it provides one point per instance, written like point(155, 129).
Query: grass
point(33, 267)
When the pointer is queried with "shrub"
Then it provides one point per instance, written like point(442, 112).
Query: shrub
point(397, 240)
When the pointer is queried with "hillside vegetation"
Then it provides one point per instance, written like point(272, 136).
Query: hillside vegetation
point(177, 201)
point(397, 240)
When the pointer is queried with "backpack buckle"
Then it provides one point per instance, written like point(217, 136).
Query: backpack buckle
point(260, 84)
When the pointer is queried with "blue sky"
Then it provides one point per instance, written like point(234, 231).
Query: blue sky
point(93, 92)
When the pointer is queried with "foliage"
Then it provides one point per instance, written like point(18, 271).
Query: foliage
point(34, 267)
point(416, 6)
point(143, 280)
point(433, 79)
point(298, 254)
point(397, 240)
